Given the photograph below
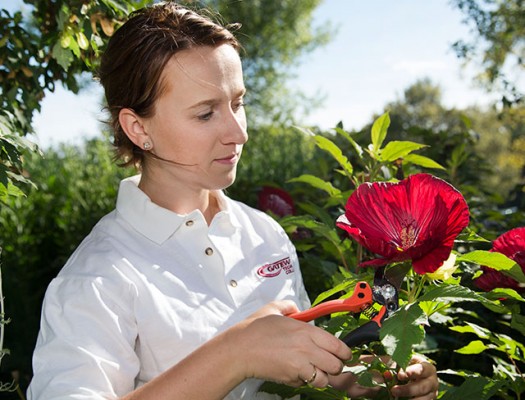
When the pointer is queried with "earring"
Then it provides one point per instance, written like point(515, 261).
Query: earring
point(146, 145)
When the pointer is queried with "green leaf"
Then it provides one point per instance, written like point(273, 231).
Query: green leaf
point(341, 287)
point(355, 145)
point(330, 147)
point(452, 293)
point(518, 323)
point(82, 40)
point(474, 347)
point(422, 161)
point(63, 56)
point(479, 331)
point(317, 183)
point(399, 149)
point(476, 388)
point(497, 261)
point(367, 380)
point(379, 130)
point(491, 259)
point(505, 293)
point(402, 331)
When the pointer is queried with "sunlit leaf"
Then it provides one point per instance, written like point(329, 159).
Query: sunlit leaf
point(379, 131)
point(341, 287)
point(317, 183)
point(401, 332)
point(398, 149)
point(63, 56)
point(491, 259)
point(479, 331)
point(355, 145)
point(497, 261)
point(82, 41)
point(422, 161)
point(474, 347)
point(330, 147)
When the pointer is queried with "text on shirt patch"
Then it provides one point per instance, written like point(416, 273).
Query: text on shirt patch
point(275, 268)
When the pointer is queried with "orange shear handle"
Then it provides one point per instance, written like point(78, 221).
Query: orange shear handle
point(361, 299)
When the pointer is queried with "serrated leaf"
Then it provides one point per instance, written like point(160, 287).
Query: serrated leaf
point(422, 161)
point(317, 183)
point(401, 332)
point(63, 56)
point(474, 388)
point(330, 147)
point(474, 347)
point(452, 293)
point(399, 149)
point(366, 380)
point(379, 130)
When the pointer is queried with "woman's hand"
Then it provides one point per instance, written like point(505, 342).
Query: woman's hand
point(420, 382)
point(273, 347)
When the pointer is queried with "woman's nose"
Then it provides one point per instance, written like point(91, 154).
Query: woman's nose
point(236, 128)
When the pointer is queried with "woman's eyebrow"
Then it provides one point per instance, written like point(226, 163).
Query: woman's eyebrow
point(213, 101)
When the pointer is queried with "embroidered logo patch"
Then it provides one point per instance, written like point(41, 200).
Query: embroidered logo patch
point(275, 268)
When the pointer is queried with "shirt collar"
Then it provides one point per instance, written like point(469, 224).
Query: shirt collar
point(155, 222)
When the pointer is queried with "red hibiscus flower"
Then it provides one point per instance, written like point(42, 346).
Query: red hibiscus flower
point(511, 244)
point(416, 219)
point(277, 201)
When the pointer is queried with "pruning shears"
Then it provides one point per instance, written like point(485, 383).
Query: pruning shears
point(384, 292)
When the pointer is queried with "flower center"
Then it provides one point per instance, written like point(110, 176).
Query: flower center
point(408, 236)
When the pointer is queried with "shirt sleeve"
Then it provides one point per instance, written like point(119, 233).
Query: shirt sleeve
point(85, 348)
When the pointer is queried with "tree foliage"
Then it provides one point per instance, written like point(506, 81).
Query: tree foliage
point(276, 36)
point(55, 42)
point(59, 40)
point(59, 43)
point(498, 43)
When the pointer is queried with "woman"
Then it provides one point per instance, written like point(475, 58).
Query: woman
point(181, 292)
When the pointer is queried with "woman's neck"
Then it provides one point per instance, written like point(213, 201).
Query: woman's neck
point(180, 199)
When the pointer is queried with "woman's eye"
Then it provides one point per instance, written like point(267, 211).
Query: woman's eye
point(237, 106)
point(205, 117)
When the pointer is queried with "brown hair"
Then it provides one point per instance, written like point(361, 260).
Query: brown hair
point(136, 55)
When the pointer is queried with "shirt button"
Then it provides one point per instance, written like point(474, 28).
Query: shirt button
point(233, 283)
point(189, 222)
point(208, 251)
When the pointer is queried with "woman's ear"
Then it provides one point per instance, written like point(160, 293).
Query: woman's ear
point(132, 125)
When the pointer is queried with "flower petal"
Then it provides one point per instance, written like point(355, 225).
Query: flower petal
point(277, 201)
point(416, 219)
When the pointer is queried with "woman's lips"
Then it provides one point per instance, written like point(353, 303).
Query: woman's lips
point(228, 160)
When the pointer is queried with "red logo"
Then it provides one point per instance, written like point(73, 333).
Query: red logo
point(274, 269)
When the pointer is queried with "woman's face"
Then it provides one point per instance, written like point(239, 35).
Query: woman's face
point(199, 119)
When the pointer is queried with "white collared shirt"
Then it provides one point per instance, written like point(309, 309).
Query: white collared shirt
point(148, 286)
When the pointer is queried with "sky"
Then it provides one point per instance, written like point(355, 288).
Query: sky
point(380, 48)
